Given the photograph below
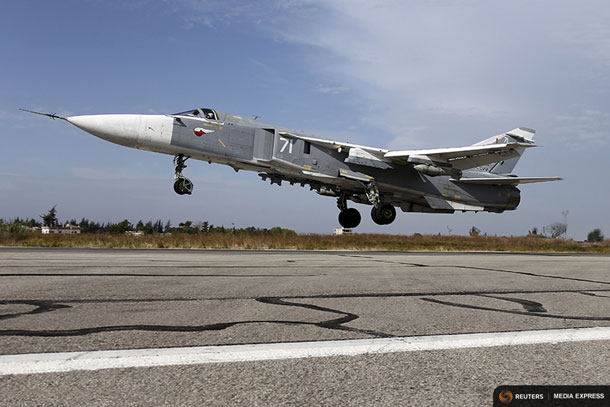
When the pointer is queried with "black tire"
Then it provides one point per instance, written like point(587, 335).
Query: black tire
point(354, 217)
point(375, 217)
point(177, 188)
point(383, 215)
point(183, 186)
point(349, 218)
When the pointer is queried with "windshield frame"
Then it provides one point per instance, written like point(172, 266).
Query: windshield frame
point(200, 113)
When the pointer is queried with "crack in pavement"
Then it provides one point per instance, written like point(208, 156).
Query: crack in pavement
point(532, 308)
point(153, 275)
point(148, 266)
point(524, 273)
point(593, 295)
point(41, 306)
point(336, 324)
point(528, 312)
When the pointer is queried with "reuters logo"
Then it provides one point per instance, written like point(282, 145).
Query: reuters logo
point(505, 396)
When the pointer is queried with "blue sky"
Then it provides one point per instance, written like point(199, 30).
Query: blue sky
point(397, 74)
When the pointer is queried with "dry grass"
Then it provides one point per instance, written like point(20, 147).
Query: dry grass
point(308, 242)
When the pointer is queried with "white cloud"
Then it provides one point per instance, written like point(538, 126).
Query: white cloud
point(443, 73)
point(100, 174)
point(214, 12)
point(332, 90)
point(442, 68)
point(588, 126)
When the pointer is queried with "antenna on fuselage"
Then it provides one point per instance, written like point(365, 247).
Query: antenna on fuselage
point(51, 115)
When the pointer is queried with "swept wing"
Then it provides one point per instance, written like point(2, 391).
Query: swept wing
point(461, 158)
point(505, 180)
point(333, 144)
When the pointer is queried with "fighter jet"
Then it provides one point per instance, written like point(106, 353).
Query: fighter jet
point(442, 180)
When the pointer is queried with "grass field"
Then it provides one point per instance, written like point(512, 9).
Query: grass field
point(308, 242)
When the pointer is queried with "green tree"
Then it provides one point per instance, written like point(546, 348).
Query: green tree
point(148, 228)
point(158, 226)
point(186, 227)
point(121, 227)
point(595, 236)
point(50, 219)
point(87, 226)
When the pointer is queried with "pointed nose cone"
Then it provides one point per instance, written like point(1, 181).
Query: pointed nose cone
point(117, 128)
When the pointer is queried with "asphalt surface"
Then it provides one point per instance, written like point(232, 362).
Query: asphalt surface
point(63, 300)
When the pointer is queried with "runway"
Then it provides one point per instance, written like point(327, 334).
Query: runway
point(81, 300)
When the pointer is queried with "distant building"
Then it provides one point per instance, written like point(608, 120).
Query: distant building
point(342, 231)
point(67, 229)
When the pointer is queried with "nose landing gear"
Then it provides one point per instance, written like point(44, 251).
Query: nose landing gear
point(182, 185)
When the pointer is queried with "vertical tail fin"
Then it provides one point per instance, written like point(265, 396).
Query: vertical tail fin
point(521, 135)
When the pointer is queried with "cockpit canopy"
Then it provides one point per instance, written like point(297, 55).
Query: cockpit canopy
point(202, 112)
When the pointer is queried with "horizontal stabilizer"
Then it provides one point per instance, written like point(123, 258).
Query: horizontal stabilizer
point(505, 180)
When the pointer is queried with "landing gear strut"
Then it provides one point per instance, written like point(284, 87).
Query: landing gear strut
point(182, 185)
point(349, 218)
point(382, 214)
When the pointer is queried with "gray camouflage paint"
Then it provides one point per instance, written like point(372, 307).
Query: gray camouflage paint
point(249, 144)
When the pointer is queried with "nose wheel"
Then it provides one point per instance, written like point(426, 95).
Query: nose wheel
point(182, 185)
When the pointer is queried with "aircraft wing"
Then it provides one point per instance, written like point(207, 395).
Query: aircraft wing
point(334, 144)
point(461, 158)
point(505, 180)
point(357, 154)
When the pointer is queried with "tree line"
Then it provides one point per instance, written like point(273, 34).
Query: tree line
point(50, 219)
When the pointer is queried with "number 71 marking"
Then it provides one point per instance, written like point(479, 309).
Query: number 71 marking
point(287, 143)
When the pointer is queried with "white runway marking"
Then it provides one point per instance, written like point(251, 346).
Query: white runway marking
point(97, 360)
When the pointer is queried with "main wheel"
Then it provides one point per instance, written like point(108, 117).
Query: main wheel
point(349, 218)
point(183, 186)
point(383, 215)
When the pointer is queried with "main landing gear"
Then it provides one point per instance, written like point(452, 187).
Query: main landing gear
point(349, 218)
point(182, 185)
point(383, 214)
